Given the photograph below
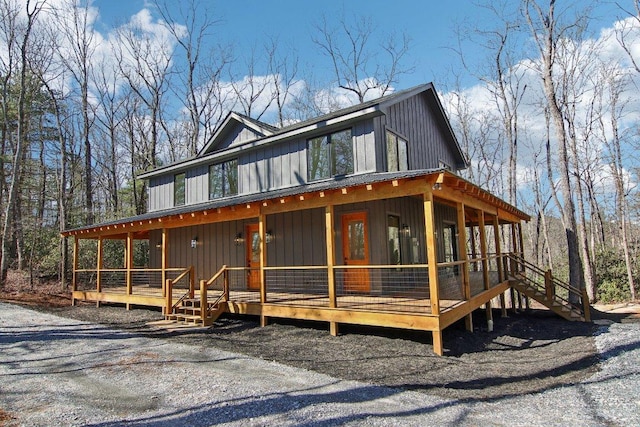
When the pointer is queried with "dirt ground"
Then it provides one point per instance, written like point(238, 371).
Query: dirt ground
point(527, 352)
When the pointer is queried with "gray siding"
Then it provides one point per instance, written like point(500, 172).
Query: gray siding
point(298, 238)
point(160, 192)
point(239, 135)
point(197, 184)
point(413, 118)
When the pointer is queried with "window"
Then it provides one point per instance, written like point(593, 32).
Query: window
point(397, 156)
point(393, 234)
point(330, 155)
point(178, 189)
point(223, 179)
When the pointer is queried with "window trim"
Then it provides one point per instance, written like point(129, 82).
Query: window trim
point(331, 155)
point(398, 137)
point(182, 177)
point(224, 164)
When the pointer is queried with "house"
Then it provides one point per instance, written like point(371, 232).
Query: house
point(357, 216)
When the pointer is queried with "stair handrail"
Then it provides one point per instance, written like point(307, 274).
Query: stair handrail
point(205, 307)
point(581, 293)
point(170, 305)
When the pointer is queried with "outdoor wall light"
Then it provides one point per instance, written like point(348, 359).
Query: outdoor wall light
point(268, 237)
point(159, 244)
point(194, 242)
point(238, 240)
point(406, 230)
point(437, 186)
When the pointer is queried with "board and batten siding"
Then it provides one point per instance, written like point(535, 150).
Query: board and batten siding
point(238, 135)
point(160, 192)
point(415, 120)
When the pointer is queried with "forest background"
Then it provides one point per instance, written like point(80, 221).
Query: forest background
point(542, 97)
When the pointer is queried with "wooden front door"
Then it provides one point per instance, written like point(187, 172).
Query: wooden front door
point(253, 256)
point(355, 249)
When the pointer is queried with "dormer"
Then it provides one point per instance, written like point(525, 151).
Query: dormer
point(236, 129)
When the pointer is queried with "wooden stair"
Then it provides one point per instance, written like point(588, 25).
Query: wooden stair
point(556, 304)
point(189, 311)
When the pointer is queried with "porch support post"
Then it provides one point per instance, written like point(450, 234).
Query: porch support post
point(514, 268)
point(164, 260)
point(500, 262)
point(263, 262)
point(485, 266)
point(331, 261)
point(74, 276)
point(99, 269)
point(432, 262)
point(462, 254)
point(129, 265)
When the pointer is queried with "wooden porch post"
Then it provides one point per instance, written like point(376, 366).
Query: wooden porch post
point(462, 254)
point(99, 269)
point(432, 262)
point(164, 260)
point(263, 263)
point(499, 260)
point(331, 261)
point(129, 265)
point(485, 266)
point(515, 267)
point(74, 276)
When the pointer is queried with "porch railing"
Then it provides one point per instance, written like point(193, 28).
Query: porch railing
point(186, 279)
point(135, 281)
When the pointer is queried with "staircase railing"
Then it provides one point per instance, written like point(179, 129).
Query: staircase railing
point(205, 306)
point(548, 284)
point(170, 305)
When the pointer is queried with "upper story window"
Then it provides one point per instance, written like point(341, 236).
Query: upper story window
point(330, 155)
point(397, 157)
point(223, 179)
point(178, 189)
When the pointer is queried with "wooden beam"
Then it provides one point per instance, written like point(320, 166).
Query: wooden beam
point(483, 249)
point(263, 263)
point(462, 255)
point(99, 265)
point(432, 255)
point(129, 264)
point(74, 274)
point(463, 309)
point(331, 260)
point(164, 258)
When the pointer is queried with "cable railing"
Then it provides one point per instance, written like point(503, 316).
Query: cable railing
point(135, 281)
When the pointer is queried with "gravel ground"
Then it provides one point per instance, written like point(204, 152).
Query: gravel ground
point(63, 371)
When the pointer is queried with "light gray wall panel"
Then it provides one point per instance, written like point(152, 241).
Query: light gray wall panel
point(237, 136)
point(197, 184)
point(160, 192)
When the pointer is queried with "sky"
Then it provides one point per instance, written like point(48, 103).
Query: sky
point(430, 24)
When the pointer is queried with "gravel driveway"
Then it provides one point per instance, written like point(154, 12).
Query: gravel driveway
point(59, 371)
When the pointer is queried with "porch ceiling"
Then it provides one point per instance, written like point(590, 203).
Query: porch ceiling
point(445, 186)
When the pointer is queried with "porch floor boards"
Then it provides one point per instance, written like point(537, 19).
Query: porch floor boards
point(386, 303)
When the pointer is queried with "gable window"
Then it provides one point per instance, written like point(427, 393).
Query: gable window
point(330, 155)
point(397, 157)
point(223, 179)
point(178, 189)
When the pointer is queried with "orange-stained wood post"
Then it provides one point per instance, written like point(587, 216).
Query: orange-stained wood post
point(203, 301)
point(331, 261)
point(499, 261)
point(462, 254)
point(129, 265)
point(485, 266)
point(263, 263)
point(164, 258)
point(99, 269)
point(168, 297)
point(432, 262)
point(74, 276)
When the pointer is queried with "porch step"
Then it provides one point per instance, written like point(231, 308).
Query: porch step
point(190, 312)
point(559, 307)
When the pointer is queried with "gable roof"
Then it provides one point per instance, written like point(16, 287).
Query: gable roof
point(230, 122)
point(368, 108)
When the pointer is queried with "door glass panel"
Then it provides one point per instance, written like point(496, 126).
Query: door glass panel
point(356, 240)
point(255, 246)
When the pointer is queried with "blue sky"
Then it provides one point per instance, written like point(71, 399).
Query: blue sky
point(430, 25)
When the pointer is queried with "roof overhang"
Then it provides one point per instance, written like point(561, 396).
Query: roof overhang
point(444, 186)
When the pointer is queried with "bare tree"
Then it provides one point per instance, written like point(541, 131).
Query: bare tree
point(627, 33)
point(354, 55)
point(547, 32)
point(24, 68)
